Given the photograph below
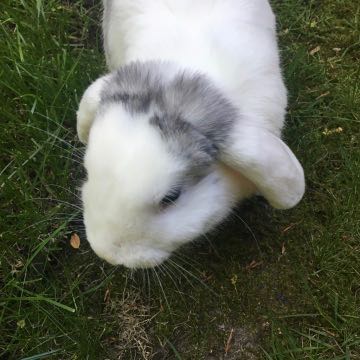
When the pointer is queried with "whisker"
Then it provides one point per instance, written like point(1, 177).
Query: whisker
point(182, 273)
point(250, 231)
point(211, 245)
point(69, 214)
point(126, 285)
point(149, 282)
point(143, 283)
point(68, 190)
point(72, 152)
point(162, 289)
point(72, 160)
point(194, 277)
point(182, 256)
point(169, 273)
point(188, 261)
point(61, 202)
point(53, 136)
point(46, 220)
point(52, 120)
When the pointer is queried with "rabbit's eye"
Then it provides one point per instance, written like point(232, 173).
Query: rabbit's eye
point(171, 197)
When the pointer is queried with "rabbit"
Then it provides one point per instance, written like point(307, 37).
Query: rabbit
point(186, 124)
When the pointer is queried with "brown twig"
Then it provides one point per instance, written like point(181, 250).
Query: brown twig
point(228, 343)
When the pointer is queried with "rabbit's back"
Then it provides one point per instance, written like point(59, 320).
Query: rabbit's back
point(180, 30)
point(232, 41)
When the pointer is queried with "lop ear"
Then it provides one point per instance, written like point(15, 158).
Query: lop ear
point(88, 107)
point(269, 163)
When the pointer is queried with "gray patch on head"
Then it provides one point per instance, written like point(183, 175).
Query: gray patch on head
point(192, 115)
point(185, 139)
point(194, 98)
point(185, 95)
point(135, 86)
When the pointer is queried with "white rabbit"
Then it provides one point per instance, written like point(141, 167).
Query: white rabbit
point(186, 125)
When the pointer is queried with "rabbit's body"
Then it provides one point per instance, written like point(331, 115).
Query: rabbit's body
point(186, 125)
point(231, 41)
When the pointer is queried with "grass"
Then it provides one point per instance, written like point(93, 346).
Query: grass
point(268, 284)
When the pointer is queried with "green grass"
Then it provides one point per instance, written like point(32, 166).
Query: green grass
point(285, 285)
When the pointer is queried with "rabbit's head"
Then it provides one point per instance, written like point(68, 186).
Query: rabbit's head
point(160, 166)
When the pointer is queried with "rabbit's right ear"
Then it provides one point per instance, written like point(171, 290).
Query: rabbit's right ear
point(88, 107)
point(269, 163)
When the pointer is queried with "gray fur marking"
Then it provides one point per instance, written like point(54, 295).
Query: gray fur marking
point(189, 96)
point(193, 117)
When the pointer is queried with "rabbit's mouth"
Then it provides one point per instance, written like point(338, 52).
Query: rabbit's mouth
point(139, 257)
point(133, 257)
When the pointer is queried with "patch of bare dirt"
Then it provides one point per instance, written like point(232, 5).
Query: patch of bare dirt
point(241, 344)
point(128, 322)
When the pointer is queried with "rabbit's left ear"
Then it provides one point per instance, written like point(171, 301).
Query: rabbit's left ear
point(269, 163)
point(88, 107)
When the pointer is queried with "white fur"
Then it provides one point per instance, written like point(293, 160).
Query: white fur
point(121, 198)
point(88, 107)
point(232, 41)
point(129, 168)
